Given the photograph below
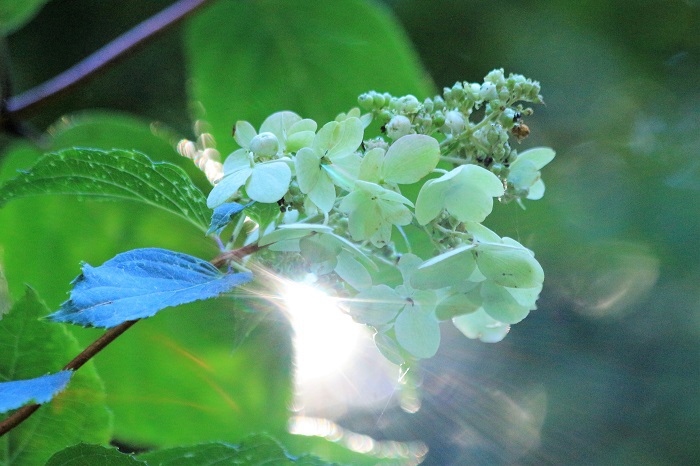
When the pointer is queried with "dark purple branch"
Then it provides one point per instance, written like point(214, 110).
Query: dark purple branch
point(20, 105)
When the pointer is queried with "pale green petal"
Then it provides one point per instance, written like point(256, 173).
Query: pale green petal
point(459, 304)
point(448, 269)
point(480, 325)
point(305, 125)
point(524, 174)
point(411, 158)
point(278, 123)
point(269, 182)
point(337, 139)
point(471, 193)
point(395, 213)
point(501, 305)
point(377, 305)
point(308, 169)
point(526, 297)
point(430, 202)
point(382, 236)
point(298, 140)
point(539, 156)
point(346, 169)
point(408, 264)
point(481, 233)
point(321, 251)
point(356, 252)
point(352, 271)
point(509, 265)
point(287, 245)
point(323, 193)
point(418, 332)
point(237, 160)
point(370, 168)
point(536, 190)
point(380, 192)
point(227, 187)
point(244, 133)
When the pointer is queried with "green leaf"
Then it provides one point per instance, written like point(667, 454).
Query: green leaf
point(14, 14)
point(17, 393)
point(254, 450)
point(137, 284)
point(115, 174)
point(314, 58)
point(31, 348)
point(411, 158)
point(85, 454)
point(223, 215)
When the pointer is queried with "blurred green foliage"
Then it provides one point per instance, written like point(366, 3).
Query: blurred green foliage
point(605, 372)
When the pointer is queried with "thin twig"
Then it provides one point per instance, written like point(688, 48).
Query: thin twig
point(21, 105)
point(108, 337)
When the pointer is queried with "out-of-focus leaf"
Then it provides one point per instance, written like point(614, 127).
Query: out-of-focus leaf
point(222, 216)
point(85, 454)
point(117, 174)
point(139, 283)
point(14, 14)
point(39, 390)
point(30, 347)
point(250, 59)
point(254, 450)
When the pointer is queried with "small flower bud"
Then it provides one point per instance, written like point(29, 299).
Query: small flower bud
point(488, 91)
point(439, 118)
point(365, 101)
point(428, 105)
point(455, 122)
point(265, 144)
point(409, 104)
point(398, 126)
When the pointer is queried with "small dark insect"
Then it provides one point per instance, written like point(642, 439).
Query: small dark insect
point(383, 129)
point(521, 131)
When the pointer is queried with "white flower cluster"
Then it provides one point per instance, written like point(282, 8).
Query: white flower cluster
point(329, 200)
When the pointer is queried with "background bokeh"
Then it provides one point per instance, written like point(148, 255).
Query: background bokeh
point(606, 371)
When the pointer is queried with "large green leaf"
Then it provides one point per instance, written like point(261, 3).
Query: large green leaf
point(116, 174)
point(31, 348)
point(254, 450)
point(250, 59)
point(85, 454)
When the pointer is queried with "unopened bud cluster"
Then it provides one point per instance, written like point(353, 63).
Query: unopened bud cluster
point(448, 117)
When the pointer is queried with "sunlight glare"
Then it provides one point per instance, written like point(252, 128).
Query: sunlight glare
point(324, 337)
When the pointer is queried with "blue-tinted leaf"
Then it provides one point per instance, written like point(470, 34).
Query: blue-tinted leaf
point(40, 390)
point(117, 174)
point(137, 284)
point(85, 454)
point(223, 215)
point(254, 450)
